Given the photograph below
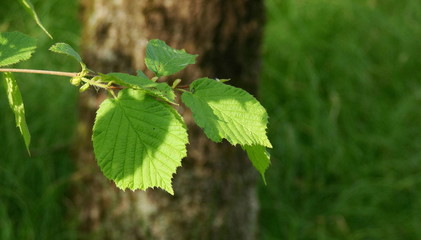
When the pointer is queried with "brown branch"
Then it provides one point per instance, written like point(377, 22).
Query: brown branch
point(116, 87)
point(56, 73)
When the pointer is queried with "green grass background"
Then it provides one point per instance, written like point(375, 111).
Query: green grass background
point(341, 83)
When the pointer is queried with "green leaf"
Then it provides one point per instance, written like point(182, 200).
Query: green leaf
point(227, 112)
point(15, 47)
point(160, 90)
point(66, 49)
point(259, 157)
point(16, 104)
point(141, 74)
point(164, 60)
point(31, 10)
point(139, 141)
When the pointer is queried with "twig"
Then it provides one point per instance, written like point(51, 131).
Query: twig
point(57, 73)
point(116, 88)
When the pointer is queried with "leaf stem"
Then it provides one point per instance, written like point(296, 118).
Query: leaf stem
point(112, 93)
point(46, 72)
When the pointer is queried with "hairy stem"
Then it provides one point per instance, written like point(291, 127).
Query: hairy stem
point(95, 83)
point(56, 73)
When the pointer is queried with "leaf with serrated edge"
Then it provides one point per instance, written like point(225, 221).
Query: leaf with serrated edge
point(259, 157)
point(66, 49)
point(15, 47)
point(16, 104)
point(30, 9)
point(160, 90)
point(139, 141)
point(164, 60)
point(228, 112)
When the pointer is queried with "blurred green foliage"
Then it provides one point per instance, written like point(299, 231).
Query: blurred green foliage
point(341, 82)
point(33, 190)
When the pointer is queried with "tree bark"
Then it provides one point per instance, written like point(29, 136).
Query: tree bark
point(215, 191)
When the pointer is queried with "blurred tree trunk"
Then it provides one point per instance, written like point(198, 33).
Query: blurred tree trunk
point(215, 192)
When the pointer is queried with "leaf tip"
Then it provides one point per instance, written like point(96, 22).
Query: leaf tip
point(170, 191)
point(29, 152)
point(264, 178)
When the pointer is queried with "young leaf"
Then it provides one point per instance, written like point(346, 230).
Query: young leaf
point(164, 60)
point(16, 104)
point(30, 9)
point(259, 157)
point(160, 90)
point(15, 47)
point(139, 141)
point(227, 112)
point(64, 48)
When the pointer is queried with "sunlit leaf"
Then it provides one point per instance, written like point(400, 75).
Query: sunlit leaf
point(164, 60)
point(66, 49)
point(139, 141)
point(224, 111)
point(15, 47)
point(16, 104)
point(228, 112)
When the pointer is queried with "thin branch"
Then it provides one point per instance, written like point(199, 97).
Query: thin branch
point(116, 87)
point(56, 73)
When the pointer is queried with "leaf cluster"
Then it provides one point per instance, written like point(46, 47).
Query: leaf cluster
point(139, 138)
